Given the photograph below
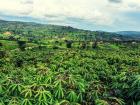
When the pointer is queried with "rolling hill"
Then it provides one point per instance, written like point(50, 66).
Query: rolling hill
point(36, 30)
point(134, 34)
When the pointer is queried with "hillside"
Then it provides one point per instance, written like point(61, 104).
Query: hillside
point(54, 74)
point(134, 34)
point(52, 70)
point(39, 31)
point(129, 33)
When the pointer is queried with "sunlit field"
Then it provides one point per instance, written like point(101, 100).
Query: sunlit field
point(59, 74)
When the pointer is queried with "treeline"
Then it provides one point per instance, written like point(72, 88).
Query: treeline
point(38, 31)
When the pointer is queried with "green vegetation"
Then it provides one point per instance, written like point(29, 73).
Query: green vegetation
point(39, 32)
point(68, 70)
point(108, 75)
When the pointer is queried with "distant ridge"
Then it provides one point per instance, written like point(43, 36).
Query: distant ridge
point(134, 34)
point(129, 32)
point(32, 29)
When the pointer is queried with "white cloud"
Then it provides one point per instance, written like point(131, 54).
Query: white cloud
point(99, 12)
point(14, 7)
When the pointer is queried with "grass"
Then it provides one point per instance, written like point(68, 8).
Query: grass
point(9, 45)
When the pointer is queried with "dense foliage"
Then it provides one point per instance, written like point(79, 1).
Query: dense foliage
point(36, 31)
point(42, 75)
point(60, 65)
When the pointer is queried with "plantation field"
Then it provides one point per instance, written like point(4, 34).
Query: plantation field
point(12, 45)
point(108, 75)
point(9, 45)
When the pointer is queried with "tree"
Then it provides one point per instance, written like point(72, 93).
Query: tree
point(94, 45)
point(69, 43)
point(1, 44)
point(84, 45)
point(2, 54)
point(22, 45)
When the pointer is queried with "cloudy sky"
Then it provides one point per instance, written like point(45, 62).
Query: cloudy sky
point(106, 15)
